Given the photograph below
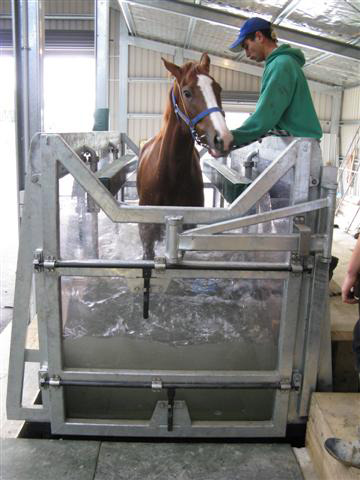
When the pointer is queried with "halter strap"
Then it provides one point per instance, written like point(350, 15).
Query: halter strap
point(203, 114)
point(191, 122)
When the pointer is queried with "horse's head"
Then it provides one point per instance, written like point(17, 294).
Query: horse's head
point(198, 97)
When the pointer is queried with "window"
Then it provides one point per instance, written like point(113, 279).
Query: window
point(69, 93)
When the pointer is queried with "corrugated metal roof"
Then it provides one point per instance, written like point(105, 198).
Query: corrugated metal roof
point(337, 20)
point(333, 20)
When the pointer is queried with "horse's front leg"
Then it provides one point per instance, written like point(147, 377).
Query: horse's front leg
point(149, 234)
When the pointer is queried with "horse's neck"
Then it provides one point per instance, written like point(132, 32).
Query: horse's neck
point(178, 143)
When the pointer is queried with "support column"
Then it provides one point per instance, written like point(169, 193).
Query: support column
point(335, 126)
point(123, 75)
point(102, 27)
point(29, 45)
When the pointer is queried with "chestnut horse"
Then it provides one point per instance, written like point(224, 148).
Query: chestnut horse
point(169, 170)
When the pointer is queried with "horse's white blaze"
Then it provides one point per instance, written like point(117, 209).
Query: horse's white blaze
point(218, 120)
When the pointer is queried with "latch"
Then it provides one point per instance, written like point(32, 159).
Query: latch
point(170, 408)
point(146, 276)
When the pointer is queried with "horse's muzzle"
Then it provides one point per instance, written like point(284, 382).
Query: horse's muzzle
point(219, 143)
point(223, 144)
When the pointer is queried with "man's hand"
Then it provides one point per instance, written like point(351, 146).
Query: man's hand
point(347, 290)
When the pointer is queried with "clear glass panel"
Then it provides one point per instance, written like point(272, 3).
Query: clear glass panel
point(207, 324)
point(139, 404)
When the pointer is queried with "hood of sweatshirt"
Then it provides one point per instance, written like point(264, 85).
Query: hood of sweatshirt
point(285, 49)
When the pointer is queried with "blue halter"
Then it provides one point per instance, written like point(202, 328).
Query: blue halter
point(191, 122)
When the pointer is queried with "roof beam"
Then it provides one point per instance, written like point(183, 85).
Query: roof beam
point(285, 12)
point(324, 56)
point(222, 62)
point(191, 28)
point(232, 21)
point(129, 20)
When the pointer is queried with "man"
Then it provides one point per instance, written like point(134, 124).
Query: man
point(285, 105)
point(284, 110)
point(345, 451)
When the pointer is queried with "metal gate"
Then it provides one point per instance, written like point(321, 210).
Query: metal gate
point(142, 348)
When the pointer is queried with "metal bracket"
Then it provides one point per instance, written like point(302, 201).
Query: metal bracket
point(296, 380)
point(89, 156)
point(305, 236)
point(156, 385)
point(173, 225)
point(38, 261)
point(45, 381)
point(115, 150)
point(55, 381)
point(314, 182)
point(296, 265)
point(160, 264)
point(294, 383)
point(285, 384)
point(40, 264)
point(43, 377)
point(50, 263)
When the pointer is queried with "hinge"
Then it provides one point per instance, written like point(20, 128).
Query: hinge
point(291, 384)
point(38, 261)
point(43, 377)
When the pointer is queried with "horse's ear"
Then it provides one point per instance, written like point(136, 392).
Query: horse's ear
point(205, 61)
point(172, 68)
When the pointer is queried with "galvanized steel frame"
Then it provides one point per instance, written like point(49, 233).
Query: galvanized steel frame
point(40, 229)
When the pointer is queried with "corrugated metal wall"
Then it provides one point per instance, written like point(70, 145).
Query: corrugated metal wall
point(146, 97)
point(58, 7)
point(350, 111)
point(323, 107)
point(350, 143)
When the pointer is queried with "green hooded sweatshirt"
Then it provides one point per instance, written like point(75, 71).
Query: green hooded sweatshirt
point(285, 102)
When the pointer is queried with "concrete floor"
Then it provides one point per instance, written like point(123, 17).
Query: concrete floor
point(25, 459)
point(91, 460)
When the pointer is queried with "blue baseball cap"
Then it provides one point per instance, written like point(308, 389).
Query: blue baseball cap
point(250, 26)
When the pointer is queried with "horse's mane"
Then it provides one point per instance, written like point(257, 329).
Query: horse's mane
point(188, 69)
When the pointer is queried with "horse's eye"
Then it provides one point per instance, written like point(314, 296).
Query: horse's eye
point(187, 93)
